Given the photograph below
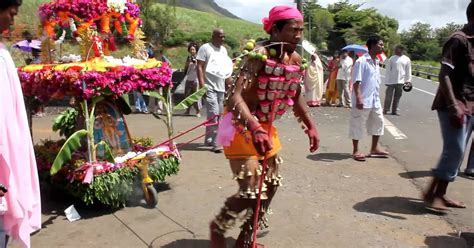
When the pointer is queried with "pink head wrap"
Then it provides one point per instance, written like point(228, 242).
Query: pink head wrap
point(278, 13)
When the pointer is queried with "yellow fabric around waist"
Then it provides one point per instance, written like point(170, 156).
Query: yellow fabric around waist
point(242, 147)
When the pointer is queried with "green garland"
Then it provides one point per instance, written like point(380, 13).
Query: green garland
point(162, 168)
point(111, 189)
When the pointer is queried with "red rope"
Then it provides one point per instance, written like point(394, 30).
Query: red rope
point(262, 179)
point(205, 123)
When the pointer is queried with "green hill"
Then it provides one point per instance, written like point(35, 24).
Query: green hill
point(193, 25)
point(197, 26)
point(209, 6)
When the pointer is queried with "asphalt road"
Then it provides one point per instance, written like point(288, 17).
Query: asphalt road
point(420, 150)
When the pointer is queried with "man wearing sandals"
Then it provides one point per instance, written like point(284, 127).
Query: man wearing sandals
point(366, 111)
point(454, 103)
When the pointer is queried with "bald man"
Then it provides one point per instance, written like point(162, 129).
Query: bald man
point(214, 98)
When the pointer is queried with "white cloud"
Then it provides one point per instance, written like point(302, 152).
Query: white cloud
point(435, 12)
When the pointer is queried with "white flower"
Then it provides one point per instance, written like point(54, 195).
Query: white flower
point(117, 5)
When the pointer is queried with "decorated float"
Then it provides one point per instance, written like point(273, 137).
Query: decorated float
point(97, 161)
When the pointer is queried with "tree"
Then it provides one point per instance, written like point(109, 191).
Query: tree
point(442, 34)
point(420, 42)
point(319, 22)
point(158, 20)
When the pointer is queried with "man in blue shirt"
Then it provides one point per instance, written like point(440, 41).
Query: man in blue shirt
point(366, 109)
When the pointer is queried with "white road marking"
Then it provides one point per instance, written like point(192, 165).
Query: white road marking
point(393, 130)
point(424, 91)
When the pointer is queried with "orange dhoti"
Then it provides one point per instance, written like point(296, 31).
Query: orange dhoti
point(242, 147)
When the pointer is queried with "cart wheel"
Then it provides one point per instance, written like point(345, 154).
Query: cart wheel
point(151, 196)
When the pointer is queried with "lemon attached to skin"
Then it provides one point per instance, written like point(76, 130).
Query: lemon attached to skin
point(273, 52)
point(249, 45)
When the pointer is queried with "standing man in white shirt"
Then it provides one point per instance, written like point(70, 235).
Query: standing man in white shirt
point(343, 78)
point(398, 73)
point(214, 99)
point(366, 111)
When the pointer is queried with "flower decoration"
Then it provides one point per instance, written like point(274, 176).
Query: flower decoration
point(48, 82)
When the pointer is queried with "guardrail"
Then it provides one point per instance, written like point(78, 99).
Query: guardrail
point(425, 70)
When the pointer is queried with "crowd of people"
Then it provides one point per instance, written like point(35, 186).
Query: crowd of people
point(261, 91)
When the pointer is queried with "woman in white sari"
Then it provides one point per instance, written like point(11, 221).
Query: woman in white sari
point(314, 82)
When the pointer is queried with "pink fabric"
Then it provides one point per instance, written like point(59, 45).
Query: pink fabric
point(17, 159)
point(278, 13)
point(225, 131)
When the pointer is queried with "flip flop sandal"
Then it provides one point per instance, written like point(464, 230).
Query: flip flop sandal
point(358, 157)
point(378, 155)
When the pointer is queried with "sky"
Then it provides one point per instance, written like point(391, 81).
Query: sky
point(407, 12)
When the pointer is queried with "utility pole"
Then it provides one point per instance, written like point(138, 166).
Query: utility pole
point(299, 5)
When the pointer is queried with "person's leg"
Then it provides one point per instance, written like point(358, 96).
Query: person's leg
point(137, 101)
point(188, 90)
point(347, 94)
point(271, 183)
point(375, 127)
point(340, 91)
point(396, 98)
point(3, 235)
point(196, 105)
point(143, 106)
point(469, 171)
point(220, 104)
point(450, 160)
point(212, 109)
point(388, 98)
point(247, 173)
point(356, 131)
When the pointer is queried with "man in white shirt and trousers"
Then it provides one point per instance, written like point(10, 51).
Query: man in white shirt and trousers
point(343, 78)
point(398, 73)
point(212, 71)
point(366, 111)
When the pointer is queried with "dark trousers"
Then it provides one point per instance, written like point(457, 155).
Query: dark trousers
point(394, 91)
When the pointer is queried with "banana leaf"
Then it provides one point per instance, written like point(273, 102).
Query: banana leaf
point(188, 101)
point(107, 152)
point(64, 155)
point(155, 95)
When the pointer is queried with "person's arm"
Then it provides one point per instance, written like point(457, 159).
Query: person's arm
point(200, 66)
point(200, 73)
point(301, 112)
point(186, 65)
point(408, 72)
point(446, 87)
point(451, 54)
point(357, 79)
point(358, 95)
point(240, 110)
point(388, 68)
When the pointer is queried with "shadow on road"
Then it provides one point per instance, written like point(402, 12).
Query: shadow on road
point(415, 174)
point(195, 243)
point(450, 240)
point(194, 147)
point(394, 207)
point(463, 175)
point(329, 157)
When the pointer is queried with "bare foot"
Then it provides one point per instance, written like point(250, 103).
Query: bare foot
point(452, 204)
point(438, 204)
